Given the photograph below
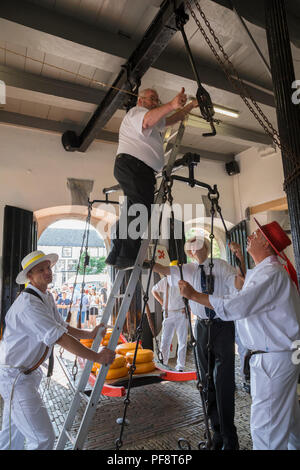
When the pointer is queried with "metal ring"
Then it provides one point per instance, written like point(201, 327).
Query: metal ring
point(184, 444)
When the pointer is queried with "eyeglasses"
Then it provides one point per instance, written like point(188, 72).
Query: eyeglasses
point(152, 98)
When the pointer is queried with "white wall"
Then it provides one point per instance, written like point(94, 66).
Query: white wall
point(260, 180)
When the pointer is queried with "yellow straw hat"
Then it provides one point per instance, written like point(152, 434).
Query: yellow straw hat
point(32, 260)
point(174, 263)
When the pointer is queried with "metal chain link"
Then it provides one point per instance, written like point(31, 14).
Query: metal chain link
point(240, 86)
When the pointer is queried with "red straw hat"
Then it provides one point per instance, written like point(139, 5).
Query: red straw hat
point(278, 240)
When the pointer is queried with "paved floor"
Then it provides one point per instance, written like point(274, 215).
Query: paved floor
point(159, 414)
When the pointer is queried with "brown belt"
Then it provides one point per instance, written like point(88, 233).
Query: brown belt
point(38, 363)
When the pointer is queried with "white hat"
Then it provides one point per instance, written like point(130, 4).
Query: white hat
point(32, 260)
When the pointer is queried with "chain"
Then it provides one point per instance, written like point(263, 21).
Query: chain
point(241, 88)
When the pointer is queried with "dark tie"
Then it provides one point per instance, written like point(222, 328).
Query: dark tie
point(209, 312)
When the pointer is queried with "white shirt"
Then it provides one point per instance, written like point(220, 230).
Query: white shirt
point(224, 277)
point(267, 309)
point(144, 144)
point(175, 301)
point(31, 325)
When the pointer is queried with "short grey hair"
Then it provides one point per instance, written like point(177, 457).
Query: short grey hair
point(144, 91)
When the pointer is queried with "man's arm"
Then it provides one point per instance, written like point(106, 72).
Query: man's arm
point(153, 116)
point(160, 269)
point(187, 291)
point(180, 115)
point(241, 270)
point(157, 297)
point(71, 344)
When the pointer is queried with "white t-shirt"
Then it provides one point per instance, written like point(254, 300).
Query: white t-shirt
point(31, 325)
point(147, 144)
point(175, 301)
point(224, 277)
point(266, 309)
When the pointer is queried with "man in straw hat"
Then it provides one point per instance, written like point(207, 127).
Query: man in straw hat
point(267, 314)
point(174, 320)
point(33, 326)
point(220, 388)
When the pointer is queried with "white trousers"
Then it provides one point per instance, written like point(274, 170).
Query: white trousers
point(275, 412)
point(24, 416)
point(175, 321)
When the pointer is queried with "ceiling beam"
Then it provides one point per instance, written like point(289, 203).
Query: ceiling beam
point(57, 34)
point(57, 127)
point(49, 87)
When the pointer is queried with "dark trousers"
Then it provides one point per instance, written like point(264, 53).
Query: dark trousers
point(222, 383)
point(137, 181)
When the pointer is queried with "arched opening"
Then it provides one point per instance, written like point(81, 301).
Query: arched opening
point(64, 230)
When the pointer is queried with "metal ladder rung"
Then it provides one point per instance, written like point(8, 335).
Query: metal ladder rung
point(171, 136)
point(69, 436)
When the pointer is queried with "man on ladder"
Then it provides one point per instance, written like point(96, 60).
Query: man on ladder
point(140, 155)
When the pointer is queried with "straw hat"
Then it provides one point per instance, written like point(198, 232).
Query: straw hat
point(32, 260)
point(174, 263)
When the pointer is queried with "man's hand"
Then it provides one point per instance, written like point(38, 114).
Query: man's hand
point(93, 333)
point(186, 290)
point(236, 249)
point(105, 356)
point(179, 100)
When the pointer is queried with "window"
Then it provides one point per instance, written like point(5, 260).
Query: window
point(60, 266)
point(67, 252)
point(93, 252)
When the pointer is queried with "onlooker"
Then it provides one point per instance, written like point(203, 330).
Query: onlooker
point(63, 303)
point(93, 308)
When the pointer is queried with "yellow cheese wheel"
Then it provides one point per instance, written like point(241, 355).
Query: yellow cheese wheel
point(87, 342)
point(143, 367)
point(119, 361)
point(104, 342)
point(124, 348)
point(143, 355)
point(95, 367)
point(117, 373)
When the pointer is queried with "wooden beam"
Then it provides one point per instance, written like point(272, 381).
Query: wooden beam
point(275, 205)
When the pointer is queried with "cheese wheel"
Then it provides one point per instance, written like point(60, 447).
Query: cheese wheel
point(104, 342)
point(119, 361)
point(143, 367)
point(87, 342)
point(116, 373)
point(124, 348)
point(95, 367)
point(143, 355)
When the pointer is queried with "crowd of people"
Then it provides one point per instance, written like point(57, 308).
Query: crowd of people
point(90, 301)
